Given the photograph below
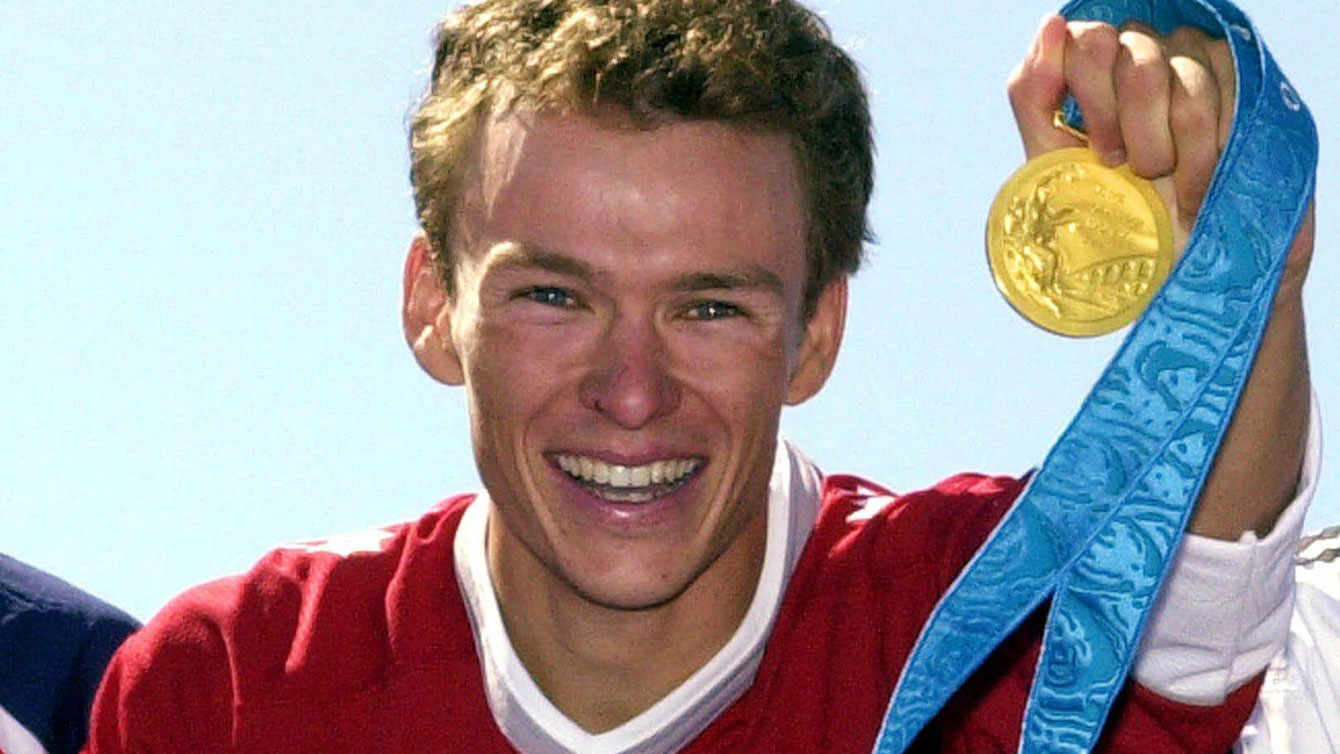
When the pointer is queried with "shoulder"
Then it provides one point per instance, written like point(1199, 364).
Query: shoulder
point(933, 531)
point(42, 597)
point(309, 618)
point(877, 561)
point(56, 641)
point(967, 504)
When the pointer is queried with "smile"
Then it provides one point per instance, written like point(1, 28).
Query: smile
point(629, 484)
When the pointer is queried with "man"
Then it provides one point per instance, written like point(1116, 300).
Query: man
point(638, 223)
point(55, 641)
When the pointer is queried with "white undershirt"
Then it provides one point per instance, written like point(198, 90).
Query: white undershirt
point(1197, 652)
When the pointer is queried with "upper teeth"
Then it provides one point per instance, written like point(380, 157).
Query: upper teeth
point(657, 472)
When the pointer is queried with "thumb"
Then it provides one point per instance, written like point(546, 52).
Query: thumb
point(1037, 87)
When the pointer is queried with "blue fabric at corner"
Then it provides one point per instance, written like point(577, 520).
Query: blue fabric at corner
point(55, 642)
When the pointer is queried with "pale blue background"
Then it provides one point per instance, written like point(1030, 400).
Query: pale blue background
point(203, 216)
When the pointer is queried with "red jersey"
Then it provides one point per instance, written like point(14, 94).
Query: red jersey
point(315, 650)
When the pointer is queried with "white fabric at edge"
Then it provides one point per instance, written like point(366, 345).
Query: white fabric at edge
point(1228, 603)
point(16, 739)
point(1298, 710)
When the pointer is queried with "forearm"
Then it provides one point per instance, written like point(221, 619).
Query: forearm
point(1256, 471)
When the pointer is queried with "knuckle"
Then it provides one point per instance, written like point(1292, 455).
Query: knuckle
point(1152, 163)
point(1021, 76)
point(1189, 114)
point(1138, 36)
point(1142, 77)
point(1024, 84)
point(1015, 82)
point(1140, 43)
point(1097, 42)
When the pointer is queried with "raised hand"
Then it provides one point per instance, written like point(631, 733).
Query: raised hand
point(1162, 104)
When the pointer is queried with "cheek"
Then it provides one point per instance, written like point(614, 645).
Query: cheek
point(515, 371)
point(742, 378)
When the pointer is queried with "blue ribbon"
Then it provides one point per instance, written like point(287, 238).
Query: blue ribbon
point(1099, 522)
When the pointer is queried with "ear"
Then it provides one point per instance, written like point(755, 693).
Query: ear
point(426, 314)
point(819, 349)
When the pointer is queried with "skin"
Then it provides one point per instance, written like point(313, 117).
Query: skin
point(626, 295)
point(1165, 106)
point(632, 295)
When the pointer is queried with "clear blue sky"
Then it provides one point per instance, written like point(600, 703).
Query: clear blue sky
point(205, 210)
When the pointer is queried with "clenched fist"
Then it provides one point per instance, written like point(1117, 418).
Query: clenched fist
point(1163, 104)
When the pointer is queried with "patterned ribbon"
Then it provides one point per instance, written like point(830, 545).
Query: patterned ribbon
point(1098, 523)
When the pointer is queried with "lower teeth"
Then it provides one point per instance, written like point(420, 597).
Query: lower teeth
point(632, 494)
point(627, 496)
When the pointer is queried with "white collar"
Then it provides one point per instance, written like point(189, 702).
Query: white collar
point(535, 726)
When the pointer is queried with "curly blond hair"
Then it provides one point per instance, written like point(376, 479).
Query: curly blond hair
point(769, 65)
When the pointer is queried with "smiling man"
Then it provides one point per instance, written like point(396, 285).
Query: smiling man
point(638, 221)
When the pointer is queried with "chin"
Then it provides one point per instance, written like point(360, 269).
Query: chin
point(630, 599)
point(632, 588)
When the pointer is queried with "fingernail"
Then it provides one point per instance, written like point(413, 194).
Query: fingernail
point(1114, 157)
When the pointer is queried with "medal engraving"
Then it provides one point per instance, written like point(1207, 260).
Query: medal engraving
point(1076, 247)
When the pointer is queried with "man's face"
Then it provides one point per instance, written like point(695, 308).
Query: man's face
point(627, 323)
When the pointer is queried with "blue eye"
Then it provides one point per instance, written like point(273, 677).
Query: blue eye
point(550, 297)
point(709, 310)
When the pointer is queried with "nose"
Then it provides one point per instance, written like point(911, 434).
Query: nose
point(630, 382)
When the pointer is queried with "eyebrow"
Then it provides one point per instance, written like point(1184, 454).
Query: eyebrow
point(518, 255)
point(748, 277)
point(752, 276)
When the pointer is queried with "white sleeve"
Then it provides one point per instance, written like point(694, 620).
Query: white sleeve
point(1224, 610)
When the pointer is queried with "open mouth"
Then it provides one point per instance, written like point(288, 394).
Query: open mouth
point(629, 484)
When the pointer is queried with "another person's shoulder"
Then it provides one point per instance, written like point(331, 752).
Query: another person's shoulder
point(310, 615)
point(54, 610)
point(55, 640)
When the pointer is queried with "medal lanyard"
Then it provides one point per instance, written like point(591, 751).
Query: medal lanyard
point(1098, 524)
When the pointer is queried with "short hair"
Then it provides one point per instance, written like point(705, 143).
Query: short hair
point(768, 65)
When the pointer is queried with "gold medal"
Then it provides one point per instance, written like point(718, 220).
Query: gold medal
point(1076, 247)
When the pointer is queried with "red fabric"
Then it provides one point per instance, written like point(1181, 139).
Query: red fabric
point(373, 652)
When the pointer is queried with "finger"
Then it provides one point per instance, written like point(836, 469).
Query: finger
point(1036, 88)
point(1090, 55)
point(1195, 124)
point(1194, 113)
point(1225, 75)
point(1143, 95)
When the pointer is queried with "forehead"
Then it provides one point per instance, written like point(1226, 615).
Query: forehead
point(608, 190)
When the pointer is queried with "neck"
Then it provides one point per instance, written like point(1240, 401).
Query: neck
point(602, 666)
